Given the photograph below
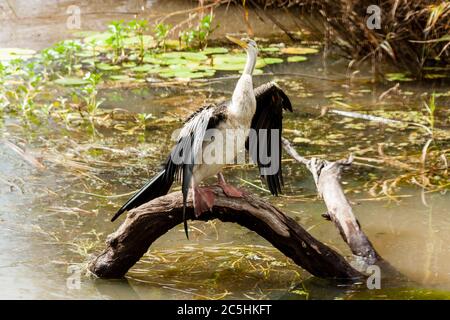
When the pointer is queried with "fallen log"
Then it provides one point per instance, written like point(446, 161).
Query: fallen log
point(148, 222)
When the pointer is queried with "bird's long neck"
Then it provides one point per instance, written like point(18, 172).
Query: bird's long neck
point(251, 62)
point(243, 102)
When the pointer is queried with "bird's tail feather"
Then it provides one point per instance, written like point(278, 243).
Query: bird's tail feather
point(187, 176)
point(158, 186)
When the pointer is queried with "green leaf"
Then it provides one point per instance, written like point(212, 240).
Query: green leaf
point(186, 74)
point(129, 64)
point(192, 56)
point(149, 68)
point(214, 50)
point(297, 59)
point(272, 60)
point(235, 62)
point(398, 76)
point(152, 59)
point(269, 49)
point(299, 50)
point(107, 67)
point(121, 78)
point(435, 76)
point(87, 54)
point(174, 61)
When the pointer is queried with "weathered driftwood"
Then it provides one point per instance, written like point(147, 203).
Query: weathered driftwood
point(326, 175)
point(148, 222)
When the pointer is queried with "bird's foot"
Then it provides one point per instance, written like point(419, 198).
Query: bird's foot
point(203, 200)
point(228, 189)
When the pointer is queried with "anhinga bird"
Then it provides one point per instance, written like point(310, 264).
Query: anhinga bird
point(248, 109)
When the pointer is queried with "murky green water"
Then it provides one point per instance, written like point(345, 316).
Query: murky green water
point(53, 219)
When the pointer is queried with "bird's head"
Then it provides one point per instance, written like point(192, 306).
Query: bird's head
point(248, 44)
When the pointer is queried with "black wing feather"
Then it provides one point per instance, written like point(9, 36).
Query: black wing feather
point(270, 103)
point(204, 118)
point(159, 185)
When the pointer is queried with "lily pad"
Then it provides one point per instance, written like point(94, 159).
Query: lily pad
point(299, 50)
point(152, 59)
point(174, 61)
point(192, 56)
point(436, 68)
point(186, 74)
point(215, 50)
point(229, 67)
point(187, 67)
point(233, 62)
point(148, 68)
point(201, 67)
point(269, 49)
point(297, 59)
point(87, 54)
point(129, 64)
point(121, 78)
point(69, 81)
point(229, 58)
point(435, 76)
point(398, 76)
point(272, 60)
point(107, 67)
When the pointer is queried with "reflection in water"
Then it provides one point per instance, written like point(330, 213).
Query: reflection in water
point(115, 289)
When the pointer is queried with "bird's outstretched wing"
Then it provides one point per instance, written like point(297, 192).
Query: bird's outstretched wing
point(189, 146)
point(182, 158)
point(267, 125)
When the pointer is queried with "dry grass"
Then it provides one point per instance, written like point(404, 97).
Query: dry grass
point(413, 34)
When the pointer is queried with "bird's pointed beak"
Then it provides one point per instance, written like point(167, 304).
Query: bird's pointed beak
point(239, 42)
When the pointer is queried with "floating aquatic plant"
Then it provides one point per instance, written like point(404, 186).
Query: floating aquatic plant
point(198, 36)
point(297, 59)
point(139, 27)
point(161, 33)
point(116, 39)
